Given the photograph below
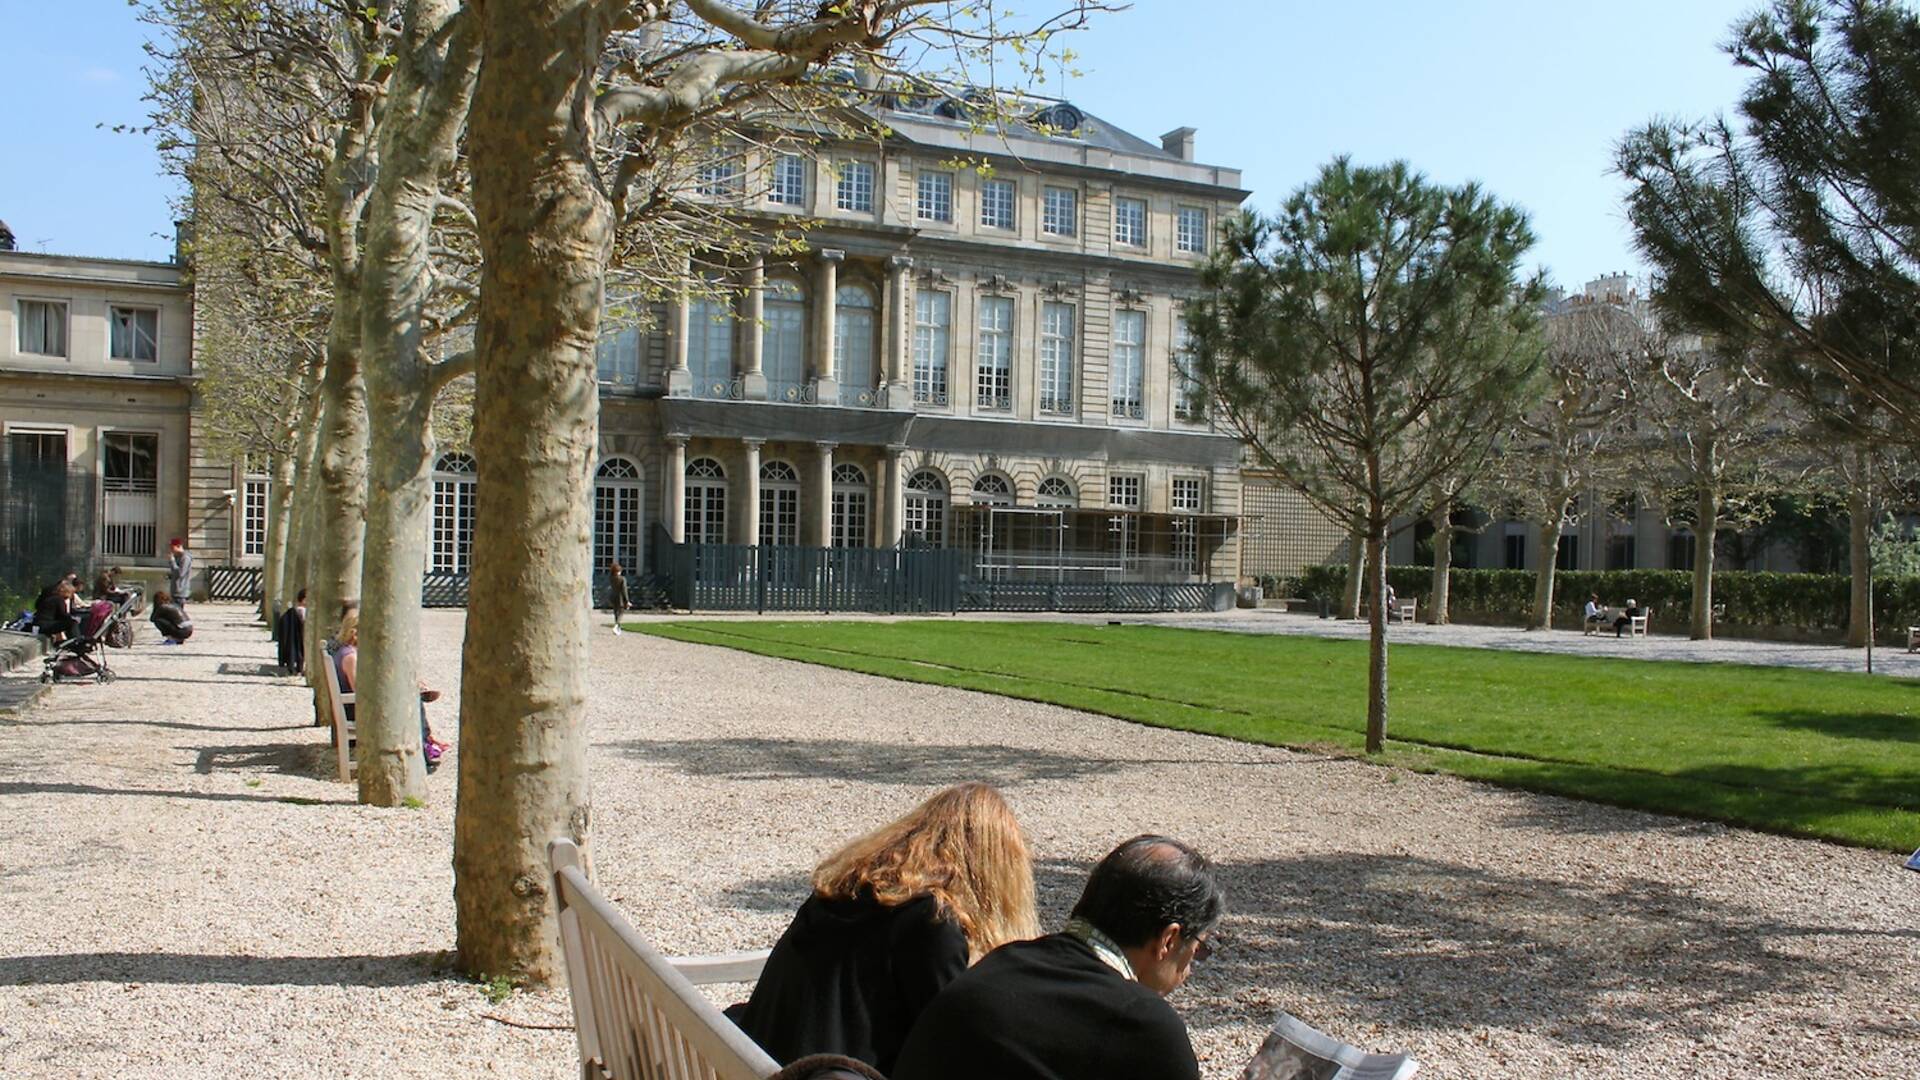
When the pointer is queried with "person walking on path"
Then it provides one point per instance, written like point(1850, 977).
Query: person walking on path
point(617, 593)
point(179, 571)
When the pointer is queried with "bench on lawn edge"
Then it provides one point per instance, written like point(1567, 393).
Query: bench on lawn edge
point(636, 1013)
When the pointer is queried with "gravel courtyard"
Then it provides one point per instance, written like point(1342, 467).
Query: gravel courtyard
point(188, 892)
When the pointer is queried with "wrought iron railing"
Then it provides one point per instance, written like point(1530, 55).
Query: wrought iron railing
point(863, 397)
point(792, 393)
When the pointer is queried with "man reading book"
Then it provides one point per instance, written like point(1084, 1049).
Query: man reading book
point(1089, 1001)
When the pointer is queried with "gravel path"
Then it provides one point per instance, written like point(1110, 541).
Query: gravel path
point(188, 892)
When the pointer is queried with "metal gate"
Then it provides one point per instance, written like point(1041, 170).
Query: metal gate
point(781, 577)
point(46, 517)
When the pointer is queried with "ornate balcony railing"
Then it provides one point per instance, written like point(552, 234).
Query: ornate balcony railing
point(791, 393)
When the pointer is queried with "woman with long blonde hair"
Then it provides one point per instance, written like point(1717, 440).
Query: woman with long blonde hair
point(894, 917)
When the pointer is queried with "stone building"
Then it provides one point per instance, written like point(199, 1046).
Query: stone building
point(972, 358)
point(96, 392)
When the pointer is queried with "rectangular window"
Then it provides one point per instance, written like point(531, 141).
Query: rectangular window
point(993, 386)
point(933, 196)
point(1187, 494)
point(1056, 359)
point(1123, 493)
point(1130, 222)
point(130, 487)
point(853, 190)
point(134, 333)
point(1060, 212)
point(718, 178)
point(618, 352)
point(1514, 549)
point(253, 516)
point(1190, 229)
point(1189, 404)
point(1567, 554)
point(43, 327)
point(996, 204)
point(932, 326)
point(789, 181)
point(1129, 363)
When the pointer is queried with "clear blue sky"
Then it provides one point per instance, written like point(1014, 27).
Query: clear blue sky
point(1526, 97)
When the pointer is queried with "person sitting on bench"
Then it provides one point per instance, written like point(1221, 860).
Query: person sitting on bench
point(53, 612)
point(894, 917)
point(1090, 1000)
point(1626, 617)
point(1596, 616)
point(347, 661)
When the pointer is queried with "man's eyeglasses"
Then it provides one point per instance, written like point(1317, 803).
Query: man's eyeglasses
point(1204, 945)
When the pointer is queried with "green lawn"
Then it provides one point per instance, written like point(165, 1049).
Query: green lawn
point(1809, 753)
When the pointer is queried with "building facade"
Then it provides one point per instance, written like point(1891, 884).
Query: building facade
point(964, 357)
point(96, 395)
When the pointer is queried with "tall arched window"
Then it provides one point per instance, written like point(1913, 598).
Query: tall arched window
point(779, 504)
point(853, 331)
point(926, 507)
point(706, 502)
point(453, 490)
point(992, 489)
point(851, 498)
point(783, 340)
point(1056, 493)
point(710, 346)
point(617, 490)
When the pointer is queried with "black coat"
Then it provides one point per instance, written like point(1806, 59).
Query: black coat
point(850, 977)
point(292, 633)
point(1047, 1009)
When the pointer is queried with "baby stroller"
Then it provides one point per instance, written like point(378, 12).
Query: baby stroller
point(83, 658)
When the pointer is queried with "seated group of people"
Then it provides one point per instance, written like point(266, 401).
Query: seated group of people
point(919, 953)
point(1597, 615)
point(60, 608)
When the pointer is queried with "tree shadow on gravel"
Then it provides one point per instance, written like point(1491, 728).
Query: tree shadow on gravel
point(315, 761)
point(169, 725)
point(8, 787)
point(1422, 944)
point(892, 763)
point(189, 969)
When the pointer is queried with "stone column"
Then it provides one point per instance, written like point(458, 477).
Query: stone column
point(899, 333)
point(753, 378)
point(676, 488)
point(826, 389)
point(823, 496)
point(896, 496)
point(749, 515)
point(679, 379)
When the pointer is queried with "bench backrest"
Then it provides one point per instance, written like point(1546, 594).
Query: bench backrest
point(635, 1013)
point(337, 702)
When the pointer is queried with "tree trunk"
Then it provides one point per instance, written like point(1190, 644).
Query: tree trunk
point(426, 107)
point(546, 235)
point(1860, 554)
point(1440, 603)
point(340, 505)
point(300, 524)
point(1356, 570)
point(1549, 555)
point(273, 573)
point(1377, 634)
point(1706, 525)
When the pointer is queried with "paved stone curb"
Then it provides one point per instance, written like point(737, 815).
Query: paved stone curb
point(17, 649)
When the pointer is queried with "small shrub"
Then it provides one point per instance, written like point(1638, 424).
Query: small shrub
point(497, 989)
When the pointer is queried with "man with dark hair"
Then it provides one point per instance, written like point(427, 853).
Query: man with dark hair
point(179, 571)
point(292, 633)
point(1089, 1001)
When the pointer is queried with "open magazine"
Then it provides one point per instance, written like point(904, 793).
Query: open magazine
point(1294, 1051)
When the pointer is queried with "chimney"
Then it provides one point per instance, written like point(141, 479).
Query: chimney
point(1179, 143)
point(182, 240)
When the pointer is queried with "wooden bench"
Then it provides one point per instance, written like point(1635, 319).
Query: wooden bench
point(1637, 625)
point(637, 1014)
point(1401, 611)
point(1913, 639)
point(337, 702)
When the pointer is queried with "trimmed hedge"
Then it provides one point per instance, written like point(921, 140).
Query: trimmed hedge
point(1750, 598)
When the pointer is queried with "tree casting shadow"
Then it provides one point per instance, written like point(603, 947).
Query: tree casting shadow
point(188, 969)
